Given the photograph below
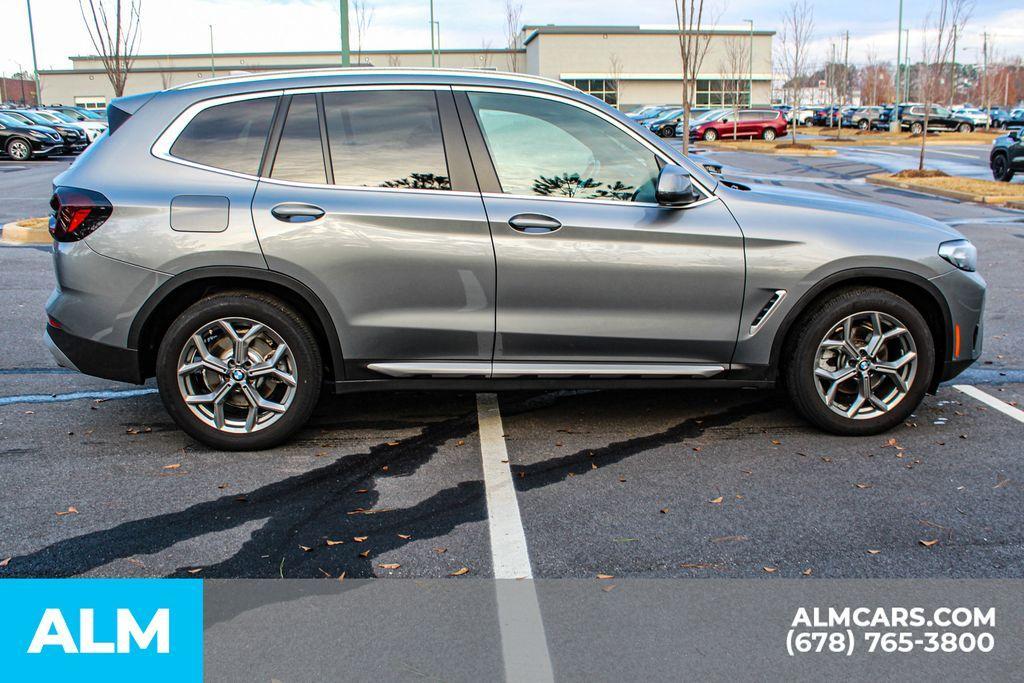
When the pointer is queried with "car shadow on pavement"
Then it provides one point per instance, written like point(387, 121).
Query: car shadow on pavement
point(318, 505)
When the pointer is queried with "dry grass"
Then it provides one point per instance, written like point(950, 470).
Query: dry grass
point(34, 223)
point(983, 188)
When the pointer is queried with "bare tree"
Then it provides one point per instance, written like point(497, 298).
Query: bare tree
point(513, 16)
point(485, 54)
point(694, 39)
point(794, 39)
point(946, 19)
point(363, 13)
point(115, 37)
point(734, 68)
point(615, 72)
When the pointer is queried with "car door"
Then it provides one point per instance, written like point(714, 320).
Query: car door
point(370, 200)
point(590, 268)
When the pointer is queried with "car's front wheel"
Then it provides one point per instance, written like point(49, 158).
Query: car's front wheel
point(860, 361)
point(19, 150)
point(239, 371)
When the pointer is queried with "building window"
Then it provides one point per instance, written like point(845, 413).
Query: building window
point(723, 93)
point(601, 88)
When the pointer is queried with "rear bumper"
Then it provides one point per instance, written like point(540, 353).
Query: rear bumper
point(93, 358)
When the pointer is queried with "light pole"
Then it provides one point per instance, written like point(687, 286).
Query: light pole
point(346, 59)
point(894, 122)
point(750, 66)
point(432, 53)
point(213, 69)
point(35, 66)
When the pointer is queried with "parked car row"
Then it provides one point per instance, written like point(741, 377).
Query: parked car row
point(48, 131)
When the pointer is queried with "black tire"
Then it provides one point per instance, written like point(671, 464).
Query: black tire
point(278, 316)
point(916, 128)
point(801, 357)
point(769, 134)
point(1001, 169)
point(710, 135)
point(19, 149)
point(965, 128)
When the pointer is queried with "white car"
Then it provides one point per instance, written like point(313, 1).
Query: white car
point(93, 129)
point(976, 116)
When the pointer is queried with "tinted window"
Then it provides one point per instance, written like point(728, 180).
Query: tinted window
point(550, 149)
point(386, 138)
point(300, 157)
point(229, 136)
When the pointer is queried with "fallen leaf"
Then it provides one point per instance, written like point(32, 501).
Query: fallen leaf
point(404, 537)
point(359, 539)
point(5, 562)
point(460, 572)
point(717, 501)
point(365, 553)
point(389, 565)
point(770, 570)
point(863, 486)
point(305, 548)
point(172, 467)
point(70, 511)
point(807, 572)
point(929, 543)
point(195, 571)
point(332, 543)
point(606, 576)
point(874, 552)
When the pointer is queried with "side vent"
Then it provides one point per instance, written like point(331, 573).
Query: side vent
point(762, 317)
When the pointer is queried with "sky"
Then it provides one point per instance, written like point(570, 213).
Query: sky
point(172, 26)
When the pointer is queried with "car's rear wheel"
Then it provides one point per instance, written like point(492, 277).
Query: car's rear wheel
point(860, 362)
point(239, 371)
point(916, 128)
point(19, 150)
point(1001, 168)
point(710, 135)
point(768, 134)
point(965, 128)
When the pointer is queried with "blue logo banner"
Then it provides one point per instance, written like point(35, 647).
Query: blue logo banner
point(101, 629)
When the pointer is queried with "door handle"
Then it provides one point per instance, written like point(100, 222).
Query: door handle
point(296, 213)
point(533, 223)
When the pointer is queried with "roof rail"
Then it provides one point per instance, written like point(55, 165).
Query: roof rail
point(329, 71)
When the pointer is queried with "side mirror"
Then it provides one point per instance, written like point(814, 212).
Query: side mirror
point(675, 187)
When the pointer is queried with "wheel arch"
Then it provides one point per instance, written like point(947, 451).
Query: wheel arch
point(921, 293)
point(184, 289)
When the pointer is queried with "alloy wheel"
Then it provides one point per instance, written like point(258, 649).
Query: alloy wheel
point(237, 375)
point(19, 150)
point(865, 365)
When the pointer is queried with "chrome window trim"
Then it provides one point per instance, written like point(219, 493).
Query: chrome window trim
point(658, 153)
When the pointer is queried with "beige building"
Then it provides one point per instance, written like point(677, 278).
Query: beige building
point(625, 65)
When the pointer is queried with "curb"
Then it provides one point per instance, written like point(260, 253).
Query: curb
point(909, 184)
point(17, 234)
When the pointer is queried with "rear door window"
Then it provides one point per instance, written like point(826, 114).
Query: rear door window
point(300, 156)
point(230, 136)
point(386, 138)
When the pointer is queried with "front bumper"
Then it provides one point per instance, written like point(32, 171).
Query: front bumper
point(93, 358)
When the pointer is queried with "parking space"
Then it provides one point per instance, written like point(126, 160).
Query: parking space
point(98, 481)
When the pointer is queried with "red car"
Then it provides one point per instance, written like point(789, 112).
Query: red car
point(747, 123)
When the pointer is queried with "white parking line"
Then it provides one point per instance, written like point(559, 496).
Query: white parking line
point(991, 401)
point(523, 643)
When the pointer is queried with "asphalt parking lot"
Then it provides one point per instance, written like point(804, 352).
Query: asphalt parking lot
point(97, 480)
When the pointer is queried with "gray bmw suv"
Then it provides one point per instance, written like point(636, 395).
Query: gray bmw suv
point(251, 240)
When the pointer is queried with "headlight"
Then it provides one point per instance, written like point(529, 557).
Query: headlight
point(961, 253)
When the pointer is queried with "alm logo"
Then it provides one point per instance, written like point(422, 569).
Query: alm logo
point(53, 631)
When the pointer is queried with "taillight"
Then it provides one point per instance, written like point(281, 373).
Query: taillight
point(77, 213)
